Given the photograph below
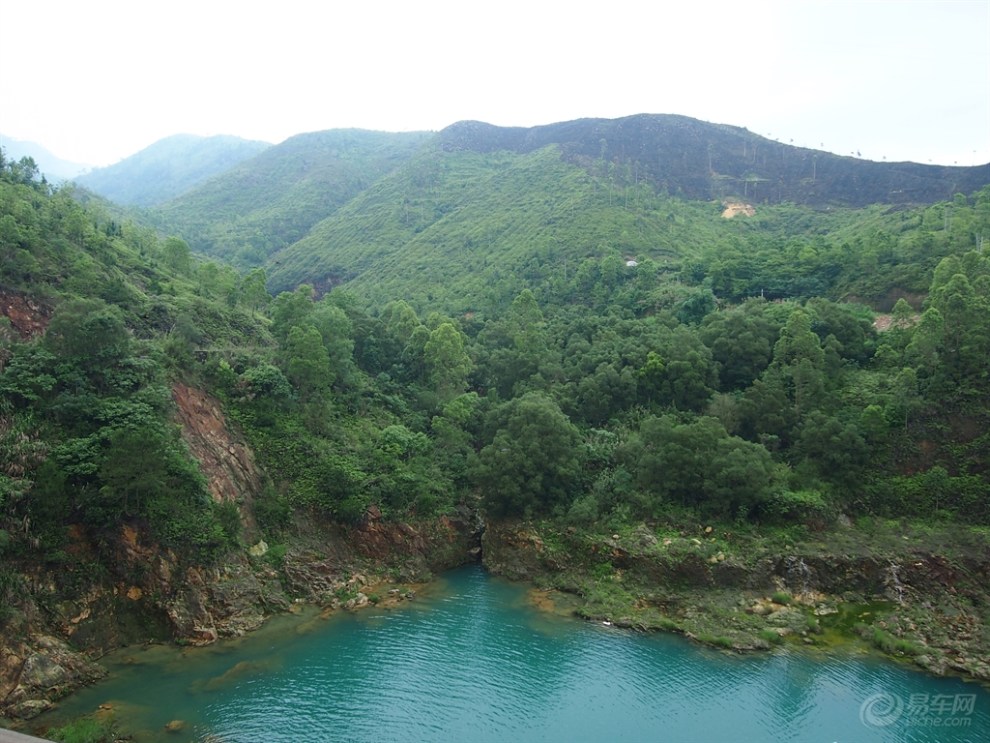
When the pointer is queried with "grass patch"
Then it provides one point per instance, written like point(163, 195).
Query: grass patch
point(718, 641)
point(85, 730)
point(770, 637)
point(891, 644)
point(781, 597)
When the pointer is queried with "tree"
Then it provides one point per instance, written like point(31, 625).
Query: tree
point(90, 336)
point(699, 464)
point(291, 309)
point(532, 464)
point(400, 320)
point(798, 363)
point(741, 340)
point(963, 345)
point(253, 291)
point(447, 363)
point(336, 330)
point(307, 363)
point(177, 255)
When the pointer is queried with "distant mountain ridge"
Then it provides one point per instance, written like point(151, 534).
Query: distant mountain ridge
point(52, 166)
point(698, 160)
point(449, 216)
point(169, 167)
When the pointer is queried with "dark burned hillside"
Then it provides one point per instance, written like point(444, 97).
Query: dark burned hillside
point(697, 160)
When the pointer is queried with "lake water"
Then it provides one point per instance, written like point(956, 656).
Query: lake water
point(471, 659)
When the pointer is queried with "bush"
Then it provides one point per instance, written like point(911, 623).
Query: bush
point(796, 507)
point(229, 517)
point(583, 511)
point(272, 512)
point(276, 555)
point(892, 645)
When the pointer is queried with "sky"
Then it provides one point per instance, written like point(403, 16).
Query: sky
point(97, 81)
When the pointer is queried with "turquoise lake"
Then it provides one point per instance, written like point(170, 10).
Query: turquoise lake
point(471, 659)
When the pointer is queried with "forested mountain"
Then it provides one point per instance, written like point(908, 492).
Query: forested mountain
point(168, 167)
point(481, 212)
point(488, 288)
point(486, 321)
point(477, 206)
point(270, 201)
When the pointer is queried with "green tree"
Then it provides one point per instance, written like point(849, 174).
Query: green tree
point(448, 364)
point(291, 309)
point(699, 464)
point(253, 290)
point(337, 332)
point(307, 363)
point(177, 255)
point(533, 463)
point(741, 340)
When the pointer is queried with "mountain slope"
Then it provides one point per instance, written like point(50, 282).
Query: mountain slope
point(482, 212)
point(54, 167)
point(474, 228)
point(168, 168)
point(271, 200)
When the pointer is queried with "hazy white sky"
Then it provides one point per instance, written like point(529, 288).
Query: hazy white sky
point(97, 81)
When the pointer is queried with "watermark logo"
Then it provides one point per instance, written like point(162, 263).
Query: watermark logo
point(883, 709)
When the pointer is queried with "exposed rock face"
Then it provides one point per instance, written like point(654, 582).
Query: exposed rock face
point(33, 676)
point(224, 458)
point(333, 558)
point(156, 597)
point(519, 551)
point(210, 603)
point(514, 551)
point(27, 316)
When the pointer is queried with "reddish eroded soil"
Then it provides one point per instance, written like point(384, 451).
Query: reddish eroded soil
point(27, 316)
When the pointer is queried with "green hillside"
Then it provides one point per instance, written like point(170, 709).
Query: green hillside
point(481, 212)
point(272, 200)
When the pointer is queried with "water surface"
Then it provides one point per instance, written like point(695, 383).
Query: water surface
point(471, 659)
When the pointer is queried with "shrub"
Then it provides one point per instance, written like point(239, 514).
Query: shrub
point(796, 507)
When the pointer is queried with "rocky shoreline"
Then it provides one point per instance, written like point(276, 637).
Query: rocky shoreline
point(56, 634)
point(899, 596)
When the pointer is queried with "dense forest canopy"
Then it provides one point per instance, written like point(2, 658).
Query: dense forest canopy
point(540, 338)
